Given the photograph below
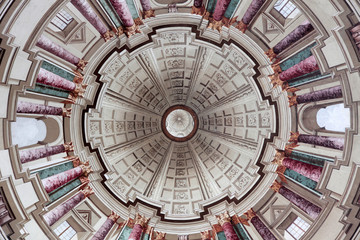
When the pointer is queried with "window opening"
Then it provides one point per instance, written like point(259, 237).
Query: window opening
point(62, 19)
point(297, 229)
point(334, 118)
point(64, 231)
point(286, 8)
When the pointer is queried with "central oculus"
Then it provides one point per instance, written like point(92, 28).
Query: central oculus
point(179, 123)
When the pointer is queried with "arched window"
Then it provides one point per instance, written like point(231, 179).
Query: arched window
point(334, 118)
point(27, 131)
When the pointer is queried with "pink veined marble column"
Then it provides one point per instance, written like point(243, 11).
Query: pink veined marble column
point(55, 214)
point(145, 5)
point(28, 155)
point(229, 231)
point(260, 227)
point(136, 232)
point(307, 170)
point(53, 182)
point(123, 11)
point(27, 107)
point(46, 44)
point(324, 141)
point(250, 13)
point(356, 35)
point(311, 209)
point(105, 228)
point(86, 10)
point(306, 66)
point(51, 79)
point(293, 37)
point(220, 9)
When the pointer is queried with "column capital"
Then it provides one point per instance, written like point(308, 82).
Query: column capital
point(113, 216)
point(160, 236)
point(279, 157)
point(216, 228)
point(223, 218)
point(236, 219)
point(132, 30)
point(271, 54)
point(294, 137)
point(69, 147)
point(289, 148)
point(141, 220)
point(205, 235)
point(87, 191)
point(228, 22)
point(80, 89)
point(215, 25)
point(276, 186)
point(198, 11)
point(66, 112)
point(86, 169)
point(292, 100)
point(206, 15)
point(276, 82)
point(241, 26)
point(107, 35)
point(148, 14)
point(138, 21)
point(250, 214)
point(276, 68)
point(78, 78)
point(81, 64)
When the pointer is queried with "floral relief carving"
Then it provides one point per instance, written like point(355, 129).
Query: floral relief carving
point(229, 70)
point(120, 186)
point(180, 155)
point(108, 127)
point(176, 63)
point(174, 51)
point(239, 121)
point(152, 152)
point(242, 182)
point(228, 121)
point(238, 59)
point(146, 158)
point(220, 80)
point(171, 37)
point(130, 126)
point(94, 128)
point(223, 164)
point(181, 209)
point(181, 196)
point(125, 76)
point(134, 84)
point(138, 167)
point(148, 125)
point(233, 172)
point(114, 66)
point(130, 176)
point(119, 126)
point(180, 183)
point(177, 74)
point(180, 172)
point(265, 119)
point(208, 150)
point(213, 87)
point(252, 119)
point(177, 83)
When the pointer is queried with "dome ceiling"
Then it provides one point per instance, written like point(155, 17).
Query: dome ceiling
point(222, 160)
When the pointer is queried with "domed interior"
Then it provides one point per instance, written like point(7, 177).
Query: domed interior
point(217, 119)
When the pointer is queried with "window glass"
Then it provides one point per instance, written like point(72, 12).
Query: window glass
point(296, 229)
point(334, 118)
point(62, 19)
point(64, 231)
point(27, 131)
point(286, 8)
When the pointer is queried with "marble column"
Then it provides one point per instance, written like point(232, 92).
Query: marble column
point(250, 13)
point(28, 155)
point(140, 224)
point(53, 182)
point(355, 31)
point(304, 67)
point(324, 94)
point(106, 227)
point(123, 11)
point(220, 9)
point(51, 79)
point(86, 10)
point(205, 235)
point(55, 214)
point(33, 108)
point(46, 44)
point(224, 221)
point(293, 37)
point(198, 7)
point(260, 227)
point(307, 170)
point(148, 12)
point(308, 207)
point(324, 141)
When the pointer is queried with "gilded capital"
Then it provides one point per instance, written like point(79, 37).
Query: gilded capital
point(229, 22)
point(141, 220)
point(276, 68)
point(138, 21)
point(113, 216)
point(66, 112)
point(197, 11)
point(132, 30)
point(107, 35)
point(206, 15)
point(86, 169)
point(289, 148)
point(270, 53)
point(87, 191)
point(205, 235)
point(148, 14)
point(294, 137)
point(80, 89)
point(69, 147)
point(241, 26)
point(120, 31)
point(160, 236)
point(279, 157)
point(215, 25)
point(81, 64)
point(223, 218)
point(250, 214)
point(78, 78)
point(276, 186)
point(292, 100)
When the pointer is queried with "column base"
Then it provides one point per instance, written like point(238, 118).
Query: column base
point(148, 14)
point(198, 11)
point(81, 64)
point(228, 22)
point(206, 15)
point(138, 21)
point(107, 35)
point(271, 55)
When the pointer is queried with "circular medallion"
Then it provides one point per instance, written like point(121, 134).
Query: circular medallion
point(179, 123)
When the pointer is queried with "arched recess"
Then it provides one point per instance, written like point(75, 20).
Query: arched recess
point(309, 115)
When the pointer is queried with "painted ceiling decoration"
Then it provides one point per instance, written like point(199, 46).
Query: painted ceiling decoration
point(183, 119)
